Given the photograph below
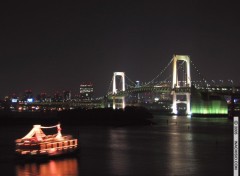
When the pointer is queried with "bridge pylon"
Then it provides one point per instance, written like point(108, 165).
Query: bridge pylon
point(117, 98)
point(177, 88)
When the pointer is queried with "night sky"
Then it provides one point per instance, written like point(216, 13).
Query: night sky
point(53, 45)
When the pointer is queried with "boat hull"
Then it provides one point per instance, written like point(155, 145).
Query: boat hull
point(46, 149)
point(74, 152)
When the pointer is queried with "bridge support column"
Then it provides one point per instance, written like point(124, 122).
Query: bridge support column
point(115, 90)
point(122, 74)
point(176, 86)
point(120, 104)
point(175, 74)
point(174, 105)
point(114, 103)
point(188, 110)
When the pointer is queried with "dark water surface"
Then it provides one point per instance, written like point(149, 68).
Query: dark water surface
point(174, 146)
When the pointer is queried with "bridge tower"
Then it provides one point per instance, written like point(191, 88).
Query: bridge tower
point(115, 91)
point(177, 88)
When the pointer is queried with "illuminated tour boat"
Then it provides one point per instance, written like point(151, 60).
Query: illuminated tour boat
point(38, 144)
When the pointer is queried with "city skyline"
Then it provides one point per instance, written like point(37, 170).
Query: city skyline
point(56, 46)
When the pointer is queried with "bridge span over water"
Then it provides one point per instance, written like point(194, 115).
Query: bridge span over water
point(178, 88)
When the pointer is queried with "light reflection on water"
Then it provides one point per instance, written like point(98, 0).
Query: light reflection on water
point(68, 166)
point(118, 144)
point(175, 146)
point(181, 158)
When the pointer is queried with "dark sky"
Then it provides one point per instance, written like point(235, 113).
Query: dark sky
point(53, 45)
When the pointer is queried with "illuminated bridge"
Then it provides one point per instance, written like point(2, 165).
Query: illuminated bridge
point(176, 87)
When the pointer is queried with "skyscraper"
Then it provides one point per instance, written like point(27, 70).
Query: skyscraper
point(86, 91)
point(66, 95)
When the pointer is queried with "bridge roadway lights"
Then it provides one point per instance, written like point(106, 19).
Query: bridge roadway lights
point(175, 84)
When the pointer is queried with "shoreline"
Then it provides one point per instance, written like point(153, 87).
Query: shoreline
point(102, 116)
point(106, 116)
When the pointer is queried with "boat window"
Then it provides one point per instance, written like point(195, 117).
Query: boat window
point(54, 145)
point(42, 147)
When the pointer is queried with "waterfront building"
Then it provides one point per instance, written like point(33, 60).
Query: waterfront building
point(28, 96)
point(86, 91)
point(41, 97)
point(66, 95)
point(57, 97)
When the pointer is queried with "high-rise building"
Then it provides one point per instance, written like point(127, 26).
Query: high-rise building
point(28, 93)
point(57, 97)
point(28, 96)
point(86, 91)
point(66, 95)
point(41, 97)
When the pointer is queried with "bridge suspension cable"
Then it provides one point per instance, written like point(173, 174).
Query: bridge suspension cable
point(134, 84)
point(169, 76)
point(205, 82)
point(109, 87)
point(159, 73)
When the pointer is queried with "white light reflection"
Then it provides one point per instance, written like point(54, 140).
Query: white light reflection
point(174, 117)
point(189, 116)
point(181, 153)
point(119, 147)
